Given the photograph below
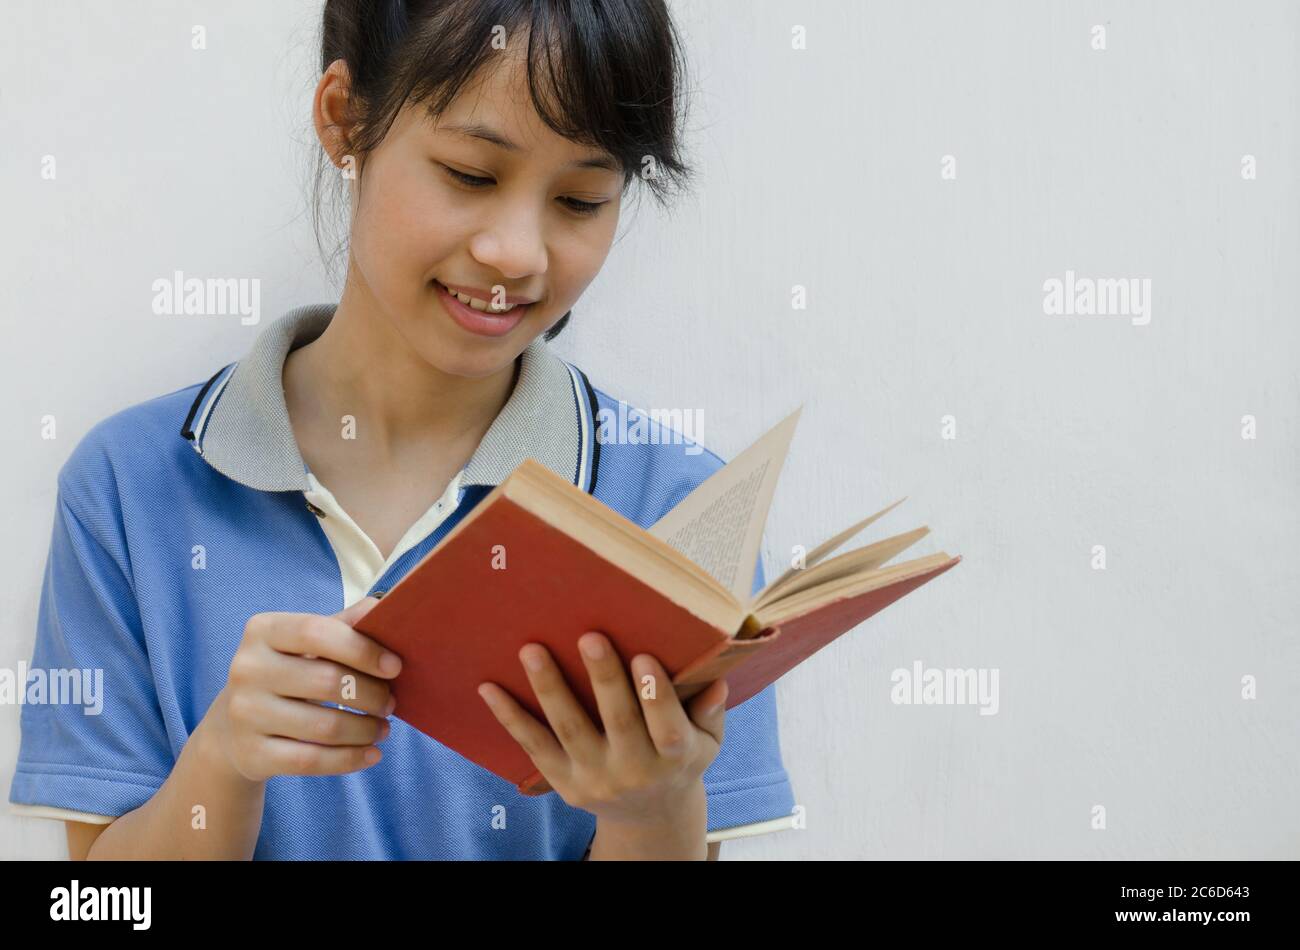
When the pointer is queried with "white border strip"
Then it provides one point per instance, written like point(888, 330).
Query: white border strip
point(584, 419)
point(747, 831)
point(202, 421)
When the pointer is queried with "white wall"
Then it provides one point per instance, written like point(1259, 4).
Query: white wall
point(819, 167)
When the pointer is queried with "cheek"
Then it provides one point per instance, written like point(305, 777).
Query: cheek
point(578, 258)
point(401, 228)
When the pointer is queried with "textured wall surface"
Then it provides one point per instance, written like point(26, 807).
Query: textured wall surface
point(922, 171)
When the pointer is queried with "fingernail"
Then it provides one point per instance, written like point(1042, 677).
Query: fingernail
point(372, 755)
point(384, 729)
point(533, 660)
point(392, 704)
point(592, 646)
point(390, 663)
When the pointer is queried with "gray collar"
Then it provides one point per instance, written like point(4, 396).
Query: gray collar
point(240, 425)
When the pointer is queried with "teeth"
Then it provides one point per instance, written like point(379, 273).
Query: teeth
point(481, 305)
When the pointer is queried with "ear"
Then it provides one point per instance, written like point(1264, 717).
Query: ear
point(331, 114)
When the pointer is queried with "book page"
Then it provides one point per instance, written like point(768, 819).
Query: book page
point(814, 557)
point(720, 524)
point(852, 563)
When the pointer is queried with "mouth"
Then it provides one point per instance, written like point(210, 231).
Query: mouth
point(483, 305)
point(478, 316)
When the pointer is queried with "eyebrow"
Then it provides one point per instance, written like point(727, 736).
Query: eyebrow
point(492, 136)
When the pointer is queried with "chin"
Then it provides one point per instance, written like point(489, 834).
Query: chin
point(458, 353)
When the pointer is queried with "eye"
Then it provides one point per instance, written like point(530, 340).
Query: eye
point(583, 207)
point(471, 181)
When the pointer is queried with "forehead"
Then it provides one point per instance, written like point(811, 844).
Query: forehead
point(496, 107)
point(497, 92)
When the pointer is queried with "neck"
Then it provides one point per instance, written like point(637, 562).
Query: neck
point(360, 366)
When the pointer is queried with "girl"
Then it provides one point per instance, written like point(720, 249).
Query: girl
point(205, 541)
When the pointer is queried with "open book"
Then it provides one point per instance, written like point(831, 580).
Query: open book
point(540, 561)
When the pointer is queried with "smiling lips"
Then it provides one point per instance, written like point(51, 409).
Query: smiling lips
point(469, 296)
point(476, 316)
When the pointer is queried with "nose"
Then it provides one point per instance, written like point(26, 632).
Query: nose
point(512, 242)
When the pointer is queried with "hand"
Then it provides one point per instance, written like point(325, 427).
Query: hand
point(648, 764)
point(268, 719)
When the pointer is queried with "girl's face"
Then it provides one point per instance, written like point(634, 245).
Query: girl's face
point(483, 198)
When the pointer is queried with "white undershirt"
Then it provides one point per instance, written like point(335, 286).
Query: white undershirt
point(360, 562)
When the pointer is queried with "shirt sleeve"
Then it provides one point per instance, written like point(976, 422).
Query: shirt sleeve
point(747, 788)
point(94, 744)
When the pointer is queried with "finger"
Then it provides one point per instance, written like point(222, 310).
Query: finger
point(331, 639)
point(564, 714)
point(534, 738)
point(669, 727)
point(291, 757)
point(708, 709)
point(310, 722)
point(620, 712)
point(323, 681)
point(350, 615)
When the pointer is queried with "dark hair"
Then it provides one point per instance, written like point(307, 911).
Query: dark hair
point(604, 73)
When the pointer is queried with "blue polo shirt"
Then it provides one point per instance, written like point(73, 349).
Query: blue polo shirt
point(179, 518)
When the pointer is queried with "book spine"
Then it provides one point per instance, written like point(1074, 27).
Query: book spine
point(718, 661)
point(535, 784)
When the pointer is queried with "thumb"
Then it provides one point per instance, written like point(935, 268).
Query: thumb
point(350, 615)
